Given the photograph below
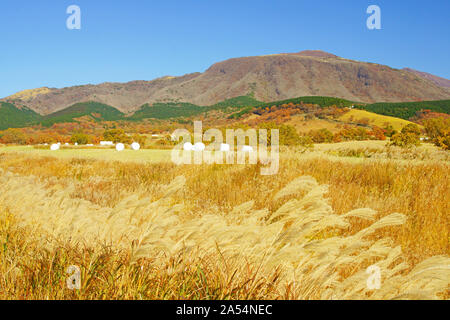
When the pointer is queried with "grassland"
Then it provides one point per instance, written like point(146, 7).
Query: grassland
point(154, 230)
point(109, 154)
point(374, 119)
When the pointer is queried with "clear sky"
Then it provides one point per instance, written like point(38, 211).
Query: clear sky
point(144, 39)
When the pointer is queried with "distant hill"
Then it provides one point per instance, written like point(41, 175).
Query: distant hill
point(170, 110)
point(241, 101)
point(165, 111)
point(264, 78)
point(14, 117)
point(94, 110)
point(321, 101)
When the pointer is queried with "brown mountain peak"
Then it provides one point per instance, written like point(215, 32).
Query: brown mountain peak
point(316, 54)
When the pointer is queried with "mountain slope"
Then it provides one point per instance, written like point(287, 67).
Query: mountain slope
point(265, 78)
point(442, 82)
point(285, 76)
point(14, 117)
point(94, 110)
point(406, 110)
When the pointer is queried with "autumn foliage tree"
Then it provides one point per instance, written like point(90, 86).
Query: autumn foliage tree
point(116, 135)
point(438, 130)
point(80, 138)
point(13, 136)
point(321, 135)
point(288, 135)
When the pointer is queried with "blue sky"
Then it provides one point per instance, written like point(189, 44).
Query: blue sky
point(142, 39)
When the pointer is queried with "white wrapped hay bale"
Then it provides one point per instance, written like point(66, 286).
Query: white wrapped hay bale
point(120, 147)
point(188, 146)
point(135, 146)
point(54, 147)
point(199, 146)
point(247, 149)
point(224, 147)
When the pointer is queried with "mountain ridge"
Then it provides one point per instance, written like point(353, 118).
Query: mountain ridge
point(265, 78)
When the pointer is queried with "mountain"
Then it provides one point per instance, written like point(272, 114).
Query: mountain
point(265, 78)
point(15, 117)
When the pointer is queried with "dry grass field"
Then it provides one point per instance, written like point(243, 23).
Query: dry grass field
point(374, 119)
point(154, 230)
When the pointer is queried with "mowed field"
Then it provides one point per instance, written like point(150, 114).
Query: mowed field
point(141, 227)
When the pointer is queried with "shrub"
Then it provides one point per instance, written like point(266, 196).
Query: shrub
point(321, 135)
point(409, 136)
point(389, 130)
point(80, 138)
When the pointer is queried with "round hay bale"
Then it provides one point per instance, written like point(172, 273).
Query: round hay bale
point(224, 147)
point(120, 147)
point(199, 146)
point(135, 146)
point(188, 146)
